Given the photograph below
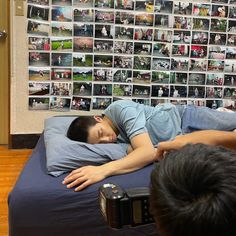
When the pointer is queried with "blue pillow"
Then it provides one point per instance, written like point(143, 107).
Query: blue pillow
point(64, 155)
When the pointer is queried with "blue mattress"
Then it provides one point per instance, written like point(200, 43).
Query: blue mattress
point(40, 205)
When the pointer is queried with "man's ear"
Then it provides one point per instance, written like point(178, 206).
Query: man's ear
point(98, 118)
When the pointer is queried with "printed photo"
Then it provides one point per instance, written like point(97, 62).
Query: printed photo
point(230, 66)
point(104, 16)
point(196, 92)
point(102, 89)
point(230, 80)
point(62, 3)
point(61, 89)
point(180, 64)
point(183, 37)
point(61, 74)
point(143, 34)
point(122, 76)
point(61, 29)
point(123, 62)
point(83, 30)
point(142, 77)
point(182, 8)
point(178, 101)
point(181, 22)
point(124, 33)
point(178, 91)
point(104, 31)
point(163, 21)
point(61, 59)
point(160, 64)
point(229, 104)
point(163, 6)
point(214, 104)
point(155, 102)
point(178, 78)
point(162, 36)
point(83, 3)
point(142, 101)
point(221, 1)
point(39, 2)
point(232, 12)
point(101, 103)
point(160, 90)
point(83, 45)
point(214, 92)
point(201, 24)
point(219, 11)
point(82, 59)
point(141, 91)
point(160, 77)
point(35, 43)
point(180, 50)
point(38, 104)
point(161, 49)
point(61, 44)
point(81, 103)
point(198, 65)
point(198, 102)
point(216, 65)
point(37, 28)
point(202, 10)
point(123, 47)
point(231, 41)
point(216, 52)
point(103, 75)
point(230, 93)
point(142, 63)
point(39, 59)
point(82, 89)
point(124, 4)
point(197, 79)
point(143, 48)
point(60, 104)
point(122, 90)
point(37, 13)
point(103, 61)
point(232, 2)
point(198, 51)
point(62, 14)
point(124, 18)
point(218, 25)
point(39, 88)
point(217, 39)
point(215, 79)
point(83, 15)
point(103, 46)
point(144, 19)
point(82, 74)
point(232, 26)
point(143, 5)
point(39, 73)
point(199, 37)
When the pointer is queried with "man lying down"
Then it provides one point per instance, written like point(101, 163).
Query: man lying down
point(166, 127)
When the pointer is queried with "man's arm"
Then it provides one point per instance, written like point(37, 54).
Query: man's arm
point(210, 137)
point(143, 153)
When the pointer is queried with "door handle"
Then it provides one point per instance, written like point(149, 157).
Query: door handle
point(3, 34)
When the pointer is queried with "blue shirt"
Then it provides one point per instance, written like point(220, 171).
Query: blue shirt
point(162, 122)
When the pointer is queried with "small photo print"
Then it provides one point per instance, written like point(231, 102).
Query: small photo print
point(141, 77)
point(35, 43)
point(38, 104)
point(216, 65)
point(143, 5)
point(39, 88)
point(160, 64)
point(103, 46)
point(123, 62)
point(160, 77)
point(37, 13)
point(122, 76)
point(163, 21)
point(124, 18)
point(62, 3)
point(122, 90)
point(197, 79)
point(142, 101)
point(143, 48)
point(103, 75)
point(103, 61)
point(143, 34)
point(82, 59)
point(61, 44)
point(216, 52)
point(141, 91)
point(81, 103)
point(181, 22)
point(214, 104)
point(230, 93)
point(229, 104)
point(183, 37)
point(161, 49)
point(232, 2)
point(232, 12)
point(199, 37)
point(180, 64)
point(201, 24)
point(180, 50)
point(163, 6)
point(61, 29)
point(160, 91)
point(39, 73)
point(178, 78)
point(83, 30)
point(196, 92)
point(221, 1)
point(104, 16)
point(218, 25)
point(61, 74)
point(198, 65)
point(219, 11)
point(162, 36)
point(214, 92)
point(61, 89)
point(39, 59)
point(83, 15)
point(230, 80)
point(198, 51)
point(230, 66)
point(126, 33)
point(61, 59)
point(199, 103)
point(102, 89)
point(39, 2)
point(37, 28)
point(82, 89)
point(144, 19)
point(231, 40)
point(182, 8)
point(104, 3)
point(83, 45)
point(104, 31)
point(82, 74)
point(215, 79)
point(83, 3)
point(178, 101)
point(60, 104)
point(217, 39)
point(155, 102)
point(123, 4)
point(101, 103)
point(232, 26)
point(202, 10)
point(123, 47)
point(62, 14)
point(178, 91)
point(142, 63)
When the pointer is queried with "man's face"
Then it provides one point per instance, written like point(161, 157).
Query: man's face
point(101, 133)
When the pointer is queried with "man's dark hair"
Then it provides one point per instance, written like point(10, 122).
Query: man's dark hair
point(193, 192)
point(78, 130)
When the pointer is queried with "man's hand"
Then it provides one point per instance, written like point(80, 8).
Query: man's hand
point(84, 176)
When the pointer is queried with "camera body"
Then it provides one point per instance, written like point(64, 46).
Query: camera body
point(129, 207)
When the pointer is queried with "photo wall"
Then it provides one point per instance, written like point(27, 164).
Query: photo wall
point(84, 54)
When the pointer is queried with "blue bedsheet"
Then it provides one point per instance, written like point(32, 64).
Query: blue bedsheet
point(39, 205)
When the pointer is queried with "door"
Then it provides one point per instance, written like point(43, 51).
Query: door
point(4, 71)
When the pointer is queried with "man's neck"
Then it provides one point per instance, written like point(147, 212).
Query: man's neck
point(106, 119)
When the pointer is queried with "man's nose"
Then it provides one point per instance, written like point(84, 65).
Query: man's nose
point(106, 139)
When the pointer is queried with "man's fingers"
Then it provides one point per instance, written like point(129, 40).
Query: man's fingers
point(72, 178)
point(83, 185)
point(72, 173)
point(76, 182)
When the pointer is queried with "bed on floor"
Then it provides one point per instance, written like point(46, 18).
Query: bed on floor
point(40, 205)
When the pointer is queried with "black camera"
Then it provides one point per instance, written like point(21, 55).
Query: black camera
point(129, 207)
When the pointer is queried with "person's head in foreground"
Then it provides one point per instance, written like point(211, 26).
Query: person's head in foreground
point(193, 192)
point(92, 129)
